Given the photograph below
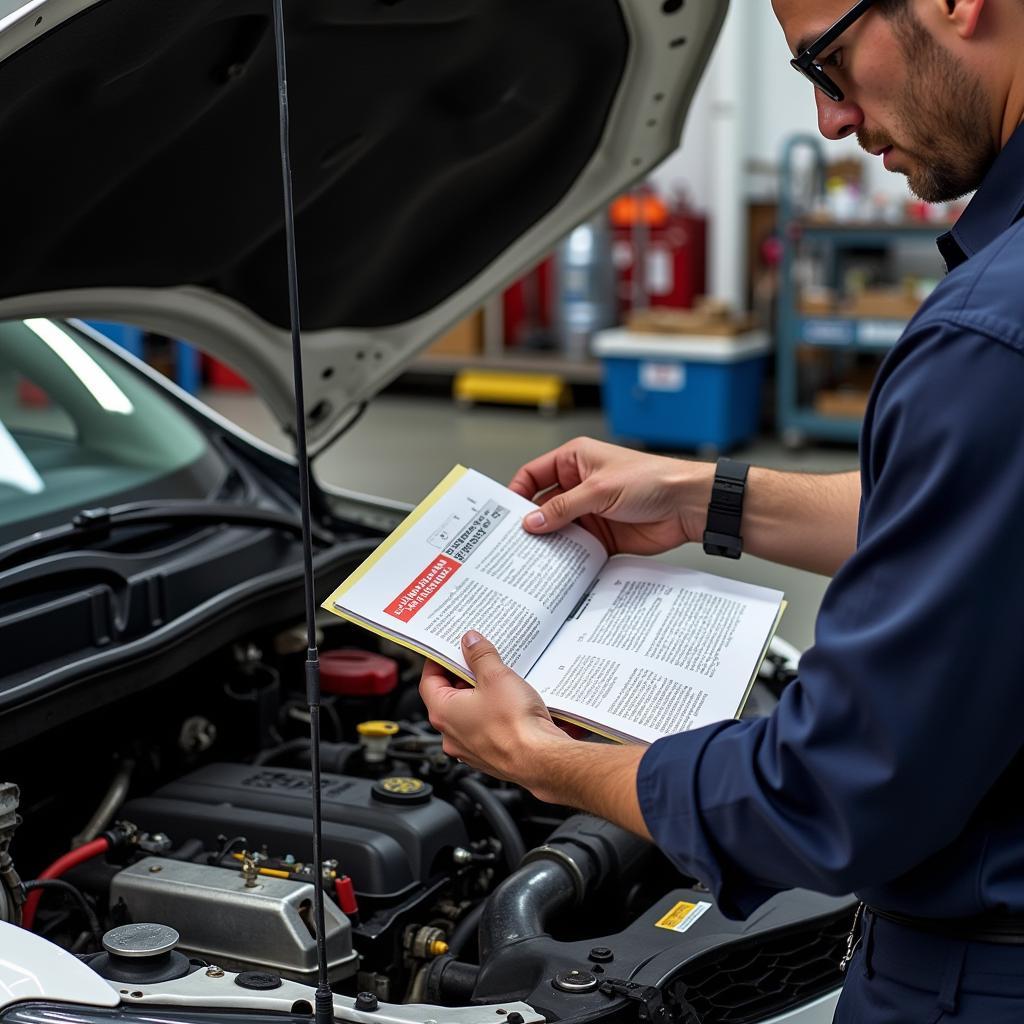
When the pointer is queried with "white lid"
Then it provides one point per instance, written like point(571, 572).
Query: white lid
point(624, 344)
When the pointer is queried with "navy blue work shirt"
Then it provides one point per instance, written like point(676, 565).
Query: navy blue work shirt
point(893, 766)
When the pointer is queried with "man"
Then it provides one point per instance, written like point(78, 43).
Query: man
point(893, 766)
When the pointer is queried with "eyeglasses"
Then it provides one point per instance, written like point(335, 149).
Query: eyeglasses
point(813, 72)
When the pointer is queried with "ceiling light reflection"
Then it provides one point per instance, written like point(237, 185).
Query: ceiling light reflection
point(95, 379)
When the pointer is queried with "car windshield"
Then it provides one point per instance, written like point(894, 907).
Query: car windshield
point(79, 427)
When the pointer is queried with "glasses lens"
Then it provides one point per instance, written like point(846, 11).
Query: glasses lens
point(819, 80)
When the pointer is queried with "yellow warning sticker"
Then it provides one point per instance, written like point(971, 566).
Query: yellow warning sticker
point(683, 916)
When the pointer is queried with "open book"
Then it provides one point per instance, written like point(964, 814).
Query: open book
point(627, 647)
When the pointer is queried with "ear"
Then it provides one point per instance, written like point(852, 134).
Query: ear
point(963, 16)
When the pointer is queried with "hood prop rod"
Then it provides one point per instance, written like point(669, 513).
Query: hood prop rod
point(324, 999)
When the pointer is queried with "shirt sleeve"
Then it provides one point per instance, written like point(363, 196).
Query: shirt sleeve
point(905, 711)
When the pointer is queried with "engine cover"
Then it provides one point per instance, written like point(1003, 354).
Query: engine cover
point(386, 840)
point(267, 926)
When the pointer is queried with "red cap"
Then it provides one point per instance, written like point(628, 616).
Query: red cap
point(354, 673)
point(346, 893)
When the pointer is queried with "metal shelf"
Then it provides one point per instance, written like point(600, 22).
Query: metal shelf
point(874, 334)
point(805, 423)
point(867, 233)
point(846, 334)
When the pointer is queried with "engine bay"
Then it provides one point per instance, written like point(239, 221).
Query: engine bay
point(165, 839)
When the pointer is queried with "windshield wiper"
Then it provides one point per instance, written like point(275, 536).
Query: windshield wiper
point(94, 524)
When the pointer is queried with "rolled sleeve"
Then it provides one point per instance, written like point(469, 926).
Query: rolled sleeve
point(879, 754)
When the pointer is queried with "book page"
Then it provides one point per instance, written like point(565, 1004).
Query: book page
point(653, 650)
point(462, 561)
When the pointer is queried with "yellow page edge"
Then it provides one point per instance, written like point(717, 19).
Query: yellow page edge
point(386, 545)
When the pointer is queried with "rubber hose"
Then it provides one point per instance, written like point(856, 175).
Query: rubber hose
point(188, 850)
point(112, 800)
point(465, 931)
point(58, 868)
point(523, 904)
point(41, 885)
point(498, 817)
point(450, 982)
point(580, 855)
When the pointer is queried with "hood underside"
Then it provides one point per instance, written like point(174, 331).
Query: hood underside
point(438, 147)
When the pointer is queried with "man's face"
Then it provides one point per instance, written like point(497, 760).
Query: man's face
point(907, 98)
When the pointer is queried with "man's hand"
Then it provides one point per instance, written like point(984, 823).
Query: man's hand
point(633, 503)
point(645, 504)
point(502, 727)
point(499, 726)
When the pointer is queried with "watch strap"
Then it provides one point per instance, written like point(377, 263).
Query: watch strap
point(722, 536)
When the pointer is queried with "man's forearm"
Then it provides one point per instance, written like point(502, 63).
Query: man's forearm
point(594, 777)
point(805, 520)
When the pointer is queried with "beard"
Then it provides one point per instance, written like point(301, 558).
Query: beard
point(943, 113)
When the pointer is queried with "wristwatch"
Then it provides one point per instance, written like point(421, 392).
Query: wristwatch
point(725, 510)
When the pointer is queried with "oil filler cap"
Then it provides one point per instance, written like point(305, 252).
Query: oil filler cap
point(400, 789)
point(260, 981)
point(140, 940)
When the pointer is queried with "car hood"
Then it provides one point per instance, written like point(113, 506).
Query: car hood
point(439, 148)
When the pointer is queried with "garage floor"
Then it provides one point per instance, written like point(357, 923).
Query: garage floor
point(404, 444)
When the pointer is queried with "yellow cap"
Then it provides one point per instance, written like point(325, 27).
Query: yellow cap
point(437, 948)
point(377, 730)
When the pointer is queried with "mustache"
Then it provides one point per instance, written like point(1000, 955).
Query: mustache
point(872, 142)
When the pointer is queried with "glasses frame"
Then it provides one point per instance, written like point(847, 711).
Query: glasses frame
point(805, 62)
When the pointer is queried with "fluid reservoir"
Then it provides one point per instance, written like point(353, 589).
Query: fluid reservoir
point(355, 673)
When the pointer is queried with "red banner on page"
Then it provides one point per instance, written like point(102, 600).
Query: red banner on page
point(423, 588)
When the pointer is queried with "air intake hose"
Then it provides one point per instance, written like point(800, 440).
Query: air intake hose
point(578, 857)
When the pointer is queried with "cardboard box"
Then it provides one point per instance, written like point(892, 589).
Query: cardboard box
point(845, 403)
point(818, 302)
point(464, 339)
point(883, 303)
point(708, 319)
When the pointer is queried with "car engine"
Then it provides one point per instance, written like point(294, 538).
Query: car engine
point(443, 887)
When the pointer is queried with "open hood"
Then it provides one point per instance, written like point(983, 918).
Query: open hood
point(439, 148)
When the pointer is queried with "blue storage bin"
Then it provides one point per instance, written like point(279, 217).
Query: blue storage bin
point(680, 391)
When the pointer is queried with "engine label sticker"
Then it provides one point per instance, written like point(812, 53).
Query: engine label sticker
point(683, 916)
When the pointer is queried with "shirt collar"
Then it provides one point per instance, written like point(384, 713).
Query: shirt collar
point(997, 204)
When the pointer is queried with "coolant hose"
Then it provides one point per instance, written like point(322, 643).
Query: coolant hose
point(498, 817)
point(581, 855)
point(59, 867)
